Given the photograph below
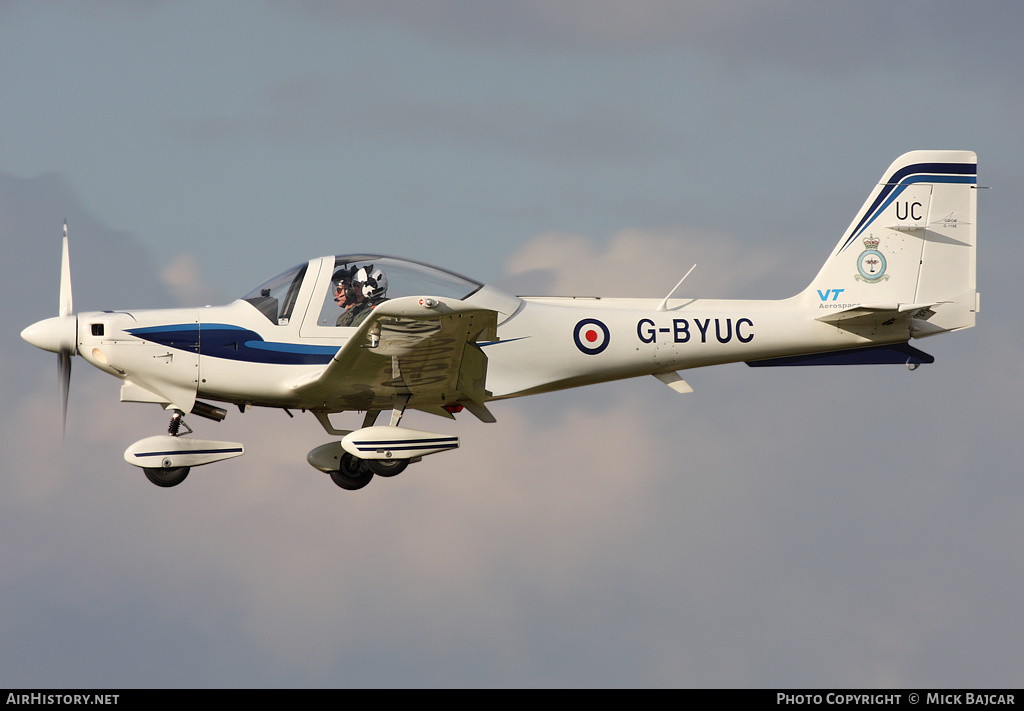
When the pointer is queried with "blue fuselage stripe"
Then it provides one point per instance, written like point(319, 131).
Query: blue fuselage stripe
point(218, 340)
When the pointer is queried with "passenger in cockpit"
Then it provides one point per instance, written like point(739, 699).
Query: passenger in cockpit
point(358, 290)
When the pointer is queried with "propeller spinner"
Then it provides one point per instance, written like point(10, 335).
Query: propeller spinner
point(60, 333)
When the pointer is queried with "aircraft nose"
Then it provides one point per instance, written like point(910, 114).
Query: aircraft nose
point(57, 334)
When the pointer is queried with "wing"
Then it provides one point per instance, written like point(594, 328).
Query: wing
point(420, 347)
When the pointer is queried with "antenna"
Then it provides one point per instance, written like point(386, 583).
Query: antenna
point(663, 306)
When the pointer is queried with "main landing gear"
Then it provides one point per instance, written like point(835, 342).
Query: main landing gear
point(374, 450)
point(387, 467)
point(355, 473)
point(351, 472)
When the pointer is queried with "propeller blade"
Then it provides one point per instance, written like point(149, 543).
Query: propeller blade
point(66, 311)
point(66, 307)
point(64, 376)
point(59, 334)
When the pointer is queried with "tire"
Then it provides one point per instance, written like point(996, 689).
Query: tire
point(354, 474)
point(387, 467)
point(166, 476)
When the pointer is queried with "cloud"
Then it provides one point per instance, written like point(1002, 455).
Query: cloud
point(780, 32)
point(183, 278)
point(602, 24)
point(649, 262)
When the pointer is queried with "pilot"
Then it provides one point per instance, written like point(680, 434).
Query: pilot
point(358, 290)
point(345, 295)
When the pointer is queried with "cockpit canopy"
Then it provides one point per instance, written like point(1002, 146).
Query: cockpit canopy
point(276, 297)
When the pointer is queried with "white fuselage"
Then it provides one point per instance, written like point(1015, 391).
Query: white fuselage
point(234, 354)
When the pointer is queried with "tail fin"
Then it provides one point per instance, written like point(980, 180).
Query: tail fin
point(911, 248)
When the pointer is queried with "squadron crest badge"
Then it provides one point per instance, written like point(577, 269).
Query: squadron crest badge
point(871, 263)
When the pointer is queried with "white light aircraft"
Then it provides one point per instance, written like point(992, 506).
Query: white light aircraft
point(373, 334)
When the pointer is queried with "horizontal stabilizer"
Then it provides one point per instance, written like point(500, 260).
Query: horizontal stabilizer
point(877, 314)
point(898, 353)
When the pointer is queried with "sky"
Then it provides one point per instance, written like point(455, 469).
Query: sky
point(790, 527)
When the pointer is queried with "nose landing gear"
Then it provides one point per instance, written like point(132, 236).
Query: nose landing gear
point(166, 476)
point(167, 459)
point(169, 475)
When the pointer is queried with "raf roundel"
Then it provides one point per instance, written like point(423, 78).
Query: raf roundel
point(591, 336)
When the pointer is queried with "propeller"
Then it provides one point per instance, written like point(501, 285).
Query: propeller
point(59, 334)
